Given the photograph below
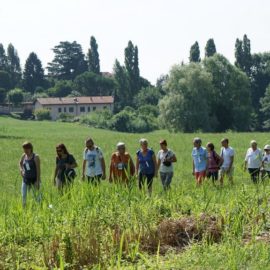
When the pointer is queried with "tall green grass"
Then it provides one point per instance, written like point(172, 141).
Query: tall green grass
point(103, 227)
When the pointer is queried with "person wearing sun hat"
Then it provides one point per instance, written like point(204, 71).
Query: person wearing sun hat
point(253, 161)
point(121, 166)
point(266, 162)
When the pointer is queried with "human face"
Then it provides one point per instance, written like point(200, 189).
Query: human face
point(196, 144)
point(121, 149)
point(144, 146)
point(208, 149)
point(163, 147)
point(59, 151)
point(254, 146)
point(224, 144)
point(267, 151)
point(89, 144)
point(27, 151)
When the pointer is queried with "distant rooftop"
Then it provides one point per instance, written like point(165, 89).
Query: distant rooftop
point(76, 100)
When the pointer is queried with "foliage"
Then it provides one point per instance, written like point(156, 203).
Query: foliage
point(42, 114)
point(110, 226)
point(61, 89)
point(5, 80)
point(92, 84)
point(210, 48)
point(93, 56)
point(3, 94)
point(147, 96)
point(33, 74)
point(15, 96)
point(69, 61)
point(194, 54)
point(265, 108)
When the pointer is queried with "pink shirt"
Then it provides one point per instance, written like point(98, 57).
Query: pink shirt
point(212, 163)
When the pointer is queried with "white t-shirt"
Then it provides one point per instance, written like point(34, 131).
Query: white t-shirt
point(226, 154)
point(93, 163)
point(266, 162)
point(161, 155)
point(254, 158)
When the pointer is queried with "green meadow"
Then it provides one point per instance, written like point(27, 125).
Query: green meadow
point(115, 227)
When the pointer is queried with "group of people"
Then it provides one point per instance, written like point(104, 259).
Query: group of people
point(122, 168)
point(207, 163)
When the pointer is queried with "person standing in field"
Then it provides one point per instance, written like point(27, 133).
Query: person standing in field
point(29, 166)
point(122, 167)
point(165, 160)
point(199, 161)
point(253, 161)
point(146, 165)
point(214, 162)
point(93, 163)
point(266, 162)
point(227, 154)
point(64, 173)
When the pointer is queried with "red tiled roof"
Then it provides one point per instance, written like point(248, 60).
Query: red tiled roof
point(77, 100)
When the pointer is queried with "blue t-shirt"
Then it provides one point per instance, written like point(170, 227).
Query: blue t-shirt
point(200, 157)
point(146, 163)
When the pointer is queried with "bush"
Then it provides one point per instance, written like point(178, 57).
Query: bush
point(65, 117)
point(15, 96)
point(100, 119)
point(42, 114)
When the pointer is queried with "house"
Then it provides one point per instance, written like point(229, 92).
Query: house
point(74, 105)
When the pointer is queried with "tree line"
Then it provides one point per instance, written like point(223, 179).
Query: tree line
point(208, 93)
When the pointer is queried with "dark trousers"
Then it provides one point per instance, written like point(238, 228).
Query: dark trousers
point(94, 180)
point(254, 174)
point(143, 177)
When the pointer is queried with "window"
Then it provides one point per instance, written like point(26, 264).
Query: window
point(65, 109)
point(88, 109)
point(82, 109)
point(94, 108)
point(59, 110)
point(71, 109)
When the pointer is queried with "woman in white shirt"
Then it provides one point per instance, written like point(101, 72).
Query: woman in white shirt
point(253, 161)
point(266, 162)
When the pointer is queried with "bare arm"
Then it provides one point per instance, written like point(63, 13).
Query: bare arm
point(155, 164)
point(37, 162)
point(103, 168)
point(21, 165)
point(232, 160)
point(137, 166)
point(83, 169)
point(158, 163)
point(132, 167)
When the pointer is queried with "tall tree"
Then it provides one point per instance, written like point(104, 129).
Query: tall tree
point(3, 58)
point(243, 54)
point(265, 109)
point(93, 56)
point(122, 96)
point(33, 74)
point(132, 67)
point(210, 48)
point(194, 55)
point(13, 65)
point(69, 61)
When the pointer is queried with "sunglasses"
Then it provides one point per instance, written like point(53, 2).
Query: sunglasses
point(59, 150)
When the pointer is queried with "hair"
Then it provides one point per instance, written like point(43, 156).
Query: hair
point(27, 145)
point(197, 140)
point(89, 140)
point(143, 141)
point(225, 140)
point(63, 147)
point(211, 146)
point(163, 142)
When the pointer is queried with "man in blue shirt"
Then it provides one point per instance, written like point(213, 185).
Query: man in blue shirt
point(200, 161)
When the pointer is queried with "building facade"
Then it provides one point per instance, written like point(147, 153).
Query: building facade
point(74, 106)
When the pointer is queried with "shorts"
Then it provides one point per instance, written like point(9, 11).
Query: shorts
point(224, 171)
point(94, 179)
point(199, 175)
point(213, 175)
point(166, 179)
point(148, 177)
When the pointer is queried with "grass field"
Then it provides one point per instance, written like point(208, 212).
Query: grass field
point(112, 227)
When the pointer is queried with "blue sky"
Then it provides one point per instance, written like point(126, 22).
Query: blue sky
point(164, 30)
